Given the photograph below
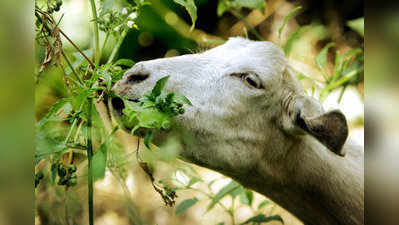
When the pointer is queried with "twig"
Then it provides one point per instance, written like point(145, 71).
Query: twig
point(71, 67)
point(63, 34)
point(77, 48)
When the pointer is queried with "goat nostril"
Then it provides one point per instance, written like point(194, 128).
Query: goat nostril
point(137, 78)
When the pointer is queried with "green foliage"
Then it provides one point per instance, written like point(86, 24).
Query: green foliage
point(228, 189)
point(263, 204)
point(357, 25)
point(99, 162)
point(154, 111)
point(261, 218)
point(291, 39)
point(184, 205)
point(286, 19)
point(321, 58)
point(224, 5)
point(189, 5)
point(348, 70)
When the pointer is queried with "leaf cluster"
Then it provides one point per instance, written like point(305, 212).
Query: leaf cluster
point(154, 111)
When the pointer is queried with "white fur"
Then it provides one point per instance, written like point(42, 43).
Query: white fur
point(248, 133)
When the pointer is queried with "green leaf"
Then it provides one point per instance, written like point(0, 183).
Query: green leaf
point(52, 111)
point(342, 61)
point(184, 205)
point(53, 172)
point(260, 218)
point(263, 204)
point(247, 197)
point(159, 86)
point(237, 192)
point(148, 138)
point(182, 99)
point(80, 97)
point(290, 41)
point(232, 186)
point(357, 25)
point(221, 223)
point(106, 5)
point(193, 181)
point(99, 161)
point(321, 58)
point(191, 9)
point(251, 4)
point(222, 7)
point(124, 62)
point(286, 18)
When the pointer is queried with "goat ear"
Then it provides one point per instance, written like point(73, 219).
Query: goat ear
point(307, 115)
point(329, 128)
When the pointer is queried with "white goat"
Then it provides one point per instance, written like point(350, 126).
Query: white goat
point(251, 121)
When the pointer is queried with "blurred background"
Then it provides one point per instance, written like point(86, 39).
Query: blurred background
point(164, 31)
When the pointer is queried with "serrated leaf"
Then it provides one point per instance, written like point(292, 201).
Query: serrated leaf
point(184, 205)
point(286, 18)
point(99, 162)
point(232, 186)
point(159, 86)
point(261, 218)
point(263, 204)
point(357, 25)
point(52, 111)
point(189, 5)
point(182, 99)
point(124, 62)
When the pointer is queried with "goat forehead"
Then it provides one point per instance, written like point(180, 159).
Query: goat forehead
point(243, 54)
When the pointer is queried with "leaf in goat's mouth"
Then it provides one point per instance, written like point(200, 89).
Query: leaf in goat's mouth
point(154, 111)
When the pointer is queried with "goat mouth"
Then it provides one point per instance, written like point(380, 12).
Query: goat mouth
point(117, 105)
point(116, 109)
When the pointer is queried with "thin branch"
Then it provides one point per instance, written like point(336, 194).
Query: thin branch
point(77, 48)
point(71, 67)
point(251, 28)
point(63, 34)
point(117, 46)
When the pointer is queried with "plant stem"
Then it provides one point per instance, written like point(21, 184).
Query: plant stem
point(70, 66)
point(77, 48)
point(96, 35)
point(232, 211)
point(117, 46)
point(90, 166)
point(237, 14)
point(102, 48)
point(62, 32)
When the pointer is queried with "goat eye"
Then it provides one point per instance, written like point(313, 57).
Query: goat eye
point(252, 80)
